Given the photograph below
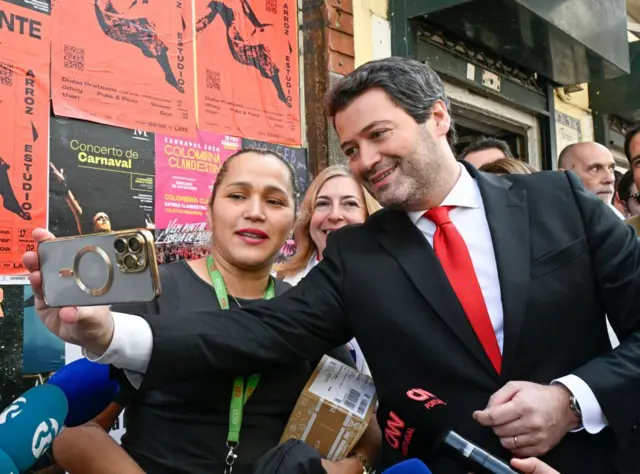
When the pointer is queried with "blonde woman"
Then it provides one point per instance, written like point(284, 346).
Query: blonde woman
point(334, 199)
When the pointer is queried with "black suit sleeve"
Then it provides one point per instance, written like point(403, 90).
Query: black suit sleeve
point(307, 321)
point(614, 377)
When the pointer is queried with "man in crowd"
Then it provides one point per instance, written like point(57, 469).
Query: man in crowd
point(632, 151)
point(490, 292)
point(627, 193)
point(594, 165)
point(615, 201)
point(485, 151)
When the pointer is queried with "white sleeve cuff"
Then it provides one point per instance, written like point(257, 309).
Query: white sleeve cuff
point(593, 419)
point(130, 347)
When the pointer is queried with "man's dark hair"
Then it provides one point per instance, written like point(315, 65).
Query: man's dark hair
point(624, 186)
point(487, 143)
point(412, 85)
point(631, 133)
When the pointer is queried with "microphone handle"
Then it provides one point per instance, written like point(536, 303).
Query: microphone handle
point(477, 454)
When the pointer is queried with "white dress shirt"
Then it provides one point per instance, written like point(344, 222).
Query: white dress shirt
point(132, 342)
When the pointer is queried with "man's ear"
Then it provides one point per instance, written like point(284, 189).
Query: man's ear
point(441, 116)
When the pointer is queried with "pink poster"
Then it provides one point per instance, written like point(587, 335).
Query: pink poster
point(185, 172)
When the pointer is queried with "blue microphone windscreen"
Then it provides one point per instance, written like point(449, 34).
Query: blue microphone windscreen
point(88, 388)
point(29, 425)
point(6, 464)
point(410, 466)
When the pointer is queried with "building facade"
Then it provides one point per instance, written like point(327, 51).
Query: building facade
point(518, 70)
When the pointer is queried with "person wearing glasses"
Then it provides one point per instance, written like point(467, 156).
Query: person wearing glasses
point(628, 195)
point(632, 151)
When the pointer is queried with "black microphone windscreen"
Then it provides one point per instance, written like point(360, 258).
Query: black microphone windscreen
point(415, 423)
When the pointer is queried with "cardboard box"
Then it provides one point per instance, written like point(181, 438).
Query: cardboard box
point(333, 410)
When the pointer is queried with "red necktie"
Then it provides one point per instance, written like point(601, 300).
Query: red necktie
point(456, 262)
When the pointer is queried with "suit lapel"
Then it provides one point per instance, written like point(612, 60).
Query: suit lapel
point(404, 241)
point(507, 214)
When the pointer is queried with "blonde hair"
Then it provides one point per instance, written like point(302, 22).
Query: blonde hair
point(508, 166)
point(301, 231)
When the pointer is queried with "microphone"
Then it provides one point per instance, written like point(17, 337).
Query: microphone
point(29, 425)
point(418, 425)
point(410, 466)
point(88, 388)
point(6, 464)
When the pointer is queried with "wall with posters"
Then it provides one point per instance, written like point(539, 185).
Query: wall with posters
point(118, 114)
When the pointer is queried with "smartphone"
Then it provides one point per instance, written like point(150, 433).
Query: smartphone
point(99, 269)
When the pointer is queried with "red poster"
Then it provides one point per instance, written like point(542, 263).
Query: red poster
point(247, 58)
point(24, 122)
point(127, 63)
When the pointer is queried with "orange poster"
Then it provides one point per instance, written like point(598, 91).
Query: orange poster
point(247, 59)
point(127, 63)
point(24, 129)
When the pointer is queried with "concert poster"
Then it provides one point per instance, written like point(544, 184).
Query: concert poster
point(247, 69)
point(24, 125)
point(42, 351)
point(101, 178)
point(128, 63)
point(185, 172)
point(11, 307)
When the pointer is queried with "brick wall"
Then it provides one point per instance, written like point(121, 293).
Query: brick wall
point(340, 44)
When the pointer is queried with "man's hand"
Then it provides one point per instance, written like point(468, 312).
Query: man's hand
point(530, 419)
point(532, 466)
point(346, 466)
point(90, 327)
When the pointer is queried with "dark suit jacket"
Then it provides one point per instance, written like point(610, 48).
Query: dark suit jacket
point(564, 261)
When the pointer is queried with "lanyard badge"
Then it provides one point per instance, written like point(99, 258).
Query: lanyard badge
point(241, 392)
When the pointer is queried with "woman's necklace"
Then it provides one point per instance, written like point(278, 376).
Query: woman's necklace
point(237, 302)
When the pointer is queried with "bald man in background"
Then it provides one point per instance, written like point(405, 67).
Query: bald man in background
point(595, 166)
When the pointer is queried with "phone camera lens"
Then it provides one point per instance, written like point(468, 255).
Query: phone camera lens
point(120, 245)
point(130, 262)
point(135, 245)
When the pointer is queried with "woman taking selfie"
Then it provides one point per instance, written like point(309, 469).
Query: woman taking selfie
point(334, 199)
point(187, 428)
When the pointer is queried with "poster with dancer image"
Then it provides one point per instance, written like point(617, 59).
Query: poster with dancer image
point(185, 172)
point(24, 127)
point(101, 178)
point(127, 63)
point(247, 68)
point(11, 306)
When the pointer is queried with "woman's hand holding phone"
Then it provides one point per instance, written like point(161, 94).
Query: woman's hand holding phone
point(90, 327)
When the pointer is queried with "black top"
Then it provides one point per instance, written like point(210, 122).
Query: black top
point(182, 428)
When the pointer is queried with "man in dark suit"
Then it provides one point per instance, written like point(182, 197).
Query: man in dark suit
point(490, 292)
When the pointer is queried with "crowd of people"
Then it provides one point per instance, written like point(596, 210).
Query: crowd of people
point(477, 278)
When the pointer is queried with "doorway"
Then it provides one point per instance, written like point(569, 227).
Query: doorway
point(471, 130)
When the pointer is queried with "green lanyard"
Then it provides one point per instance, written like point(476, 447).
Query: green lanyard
point(240, 393)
